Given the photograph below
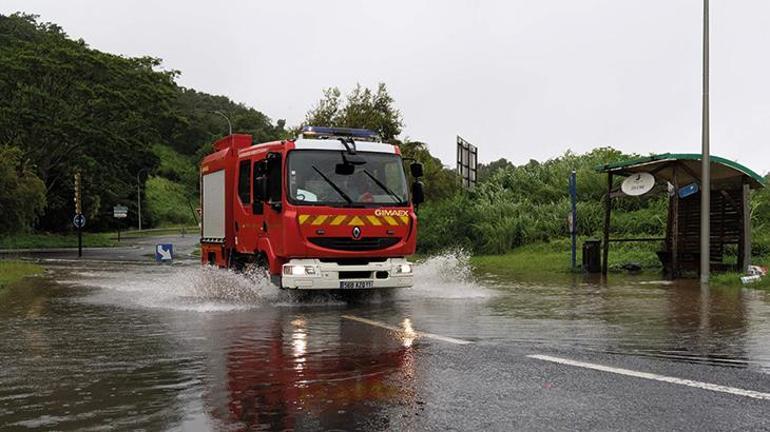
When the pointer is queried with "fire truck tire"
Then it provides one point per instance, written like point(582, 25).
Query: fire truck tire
point(252, 265)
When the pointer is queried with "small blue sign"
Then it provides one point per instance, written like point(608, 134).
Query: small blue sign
point(164, 252)
point(79, 221)
point(690, 189)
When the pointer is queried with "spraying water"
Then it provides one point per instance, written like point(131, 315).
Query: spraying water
point(207, 289)
point(447, 275)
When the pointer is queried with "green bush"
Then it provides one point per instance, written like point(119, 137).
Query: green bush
point(168, 202)
point(176, 167)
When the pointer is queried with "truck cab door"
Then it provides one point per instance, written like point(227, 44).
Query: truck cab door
point(268, 185)
point(244, 224)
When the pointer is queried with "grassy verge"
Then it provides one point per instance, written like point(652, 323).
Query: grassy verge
point(167, 230)
point(551, 260)
point(12, 271)
point(733, 280)
point(70, 240)
point(51, 241)
point(554, 258)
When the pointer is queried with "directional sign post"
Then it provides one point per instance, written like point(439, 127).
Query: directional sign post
point(164, 252)
point(79, 221)
point(119, 212)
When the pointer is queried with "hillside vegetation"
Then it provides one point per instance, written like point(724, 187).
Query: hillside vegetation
point(67, 108)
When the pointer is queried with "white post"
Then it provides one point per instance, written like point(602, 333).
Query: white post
point(139, 196)
point(705, 208)
point(139, 201)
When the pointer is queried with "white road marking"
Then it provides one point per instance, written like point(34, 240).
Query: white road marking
point(401, 330)
point(655, 377)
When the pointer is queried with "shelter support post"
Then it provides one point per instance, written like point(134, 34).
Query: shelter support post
point(607, 215)
point(744, 254)
point(675, 225)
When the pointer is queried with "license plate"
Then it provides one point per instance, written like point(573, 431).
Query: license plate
point(356, 284)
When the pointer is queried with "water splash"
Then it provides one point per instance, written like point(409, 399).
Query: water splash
point(209, 289)
point(447, 275)
point(201, 289)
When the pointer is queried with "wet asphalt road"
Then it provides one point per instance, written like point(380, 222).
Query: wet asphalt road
point(110, 342)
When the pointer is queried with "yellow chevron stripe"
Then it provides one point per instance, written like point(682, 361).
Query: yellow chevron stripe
point(390, 220)
point(338, 220)
point(356, 221)
point(319, 219)
point(303, 218)
point(374, 220)
point(405, 219)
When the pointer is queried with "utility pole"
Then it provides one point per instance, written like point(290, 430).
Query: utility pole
point(705, 207)
point(573, 216)
point(139, 197)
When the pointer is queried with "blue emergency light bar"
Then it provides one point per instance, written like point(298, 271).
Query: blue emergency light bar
point(334, 132)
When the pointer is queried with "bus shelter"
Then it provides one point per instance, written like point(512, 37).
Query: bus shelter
point(679, 176)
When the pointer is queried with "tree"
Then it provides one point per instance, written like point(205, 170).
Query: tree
point(485, 171)
point(440, 182)
point(22, 193)
point(362, 108)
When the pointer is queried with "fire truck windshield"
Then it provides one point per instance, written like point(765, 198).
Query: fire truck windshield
point(324, 177)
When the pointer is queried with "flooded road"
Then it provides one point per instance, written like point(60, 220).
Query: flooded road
point(100, 345)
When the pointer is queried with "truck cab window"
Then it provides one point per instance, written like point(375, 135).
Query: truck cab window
point(244, 182)
point(274, 177)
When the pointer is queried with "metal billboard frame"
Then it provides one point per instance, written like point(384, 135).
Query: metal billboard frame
point(467, 162)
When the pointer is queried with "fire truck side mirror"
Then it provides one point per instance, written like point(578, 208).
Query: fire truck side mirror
point(418, 194)
point(416, 169)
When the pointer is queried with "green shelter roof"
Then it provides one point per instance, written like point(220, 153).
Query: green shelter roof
point(661, 166)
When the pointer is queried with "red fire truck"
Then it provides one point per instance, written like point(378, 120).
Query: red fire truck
point(328, 210)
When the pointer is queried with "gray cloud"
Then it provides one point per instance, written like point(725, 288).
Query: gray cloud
point(520, 79)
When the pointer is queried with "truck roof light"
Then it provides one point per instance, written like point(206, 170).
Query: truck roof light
point(335, 132)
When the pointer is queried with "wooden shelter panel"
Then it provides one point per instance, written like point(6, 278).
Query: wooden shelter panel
point(726, 226)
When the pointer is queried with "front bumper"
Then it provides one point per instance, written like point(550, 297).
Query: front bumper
point(334, 276)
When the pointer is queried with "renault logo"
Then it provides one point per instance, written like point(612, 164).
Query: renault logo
point(356, 233)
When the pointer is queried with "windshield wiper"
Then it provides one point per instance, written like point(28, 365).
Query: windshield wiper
point(333, 185)
point(382, 186)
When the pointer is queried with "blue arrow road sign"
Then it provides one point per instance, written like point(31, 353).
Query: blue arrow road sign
point(79, 221)
point(164, 252)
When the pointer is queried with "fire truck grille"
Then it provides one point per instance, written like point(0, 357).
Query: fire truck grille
point(349, 244)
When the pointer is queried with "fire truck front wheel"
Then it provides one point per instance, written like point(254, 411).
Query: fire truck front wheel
point(250, 263)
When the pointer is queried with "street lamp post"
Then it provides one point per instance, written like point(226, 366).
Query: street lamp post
point(705, 208)
point(139, 197)
point(229, 125)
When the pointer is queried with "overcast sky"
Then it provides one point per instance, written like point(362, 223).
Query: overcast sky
point(520, 79)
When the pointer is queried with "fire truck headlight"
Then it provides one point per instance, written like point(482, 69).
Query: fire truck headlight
point(299, 270)
point(404, 268)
